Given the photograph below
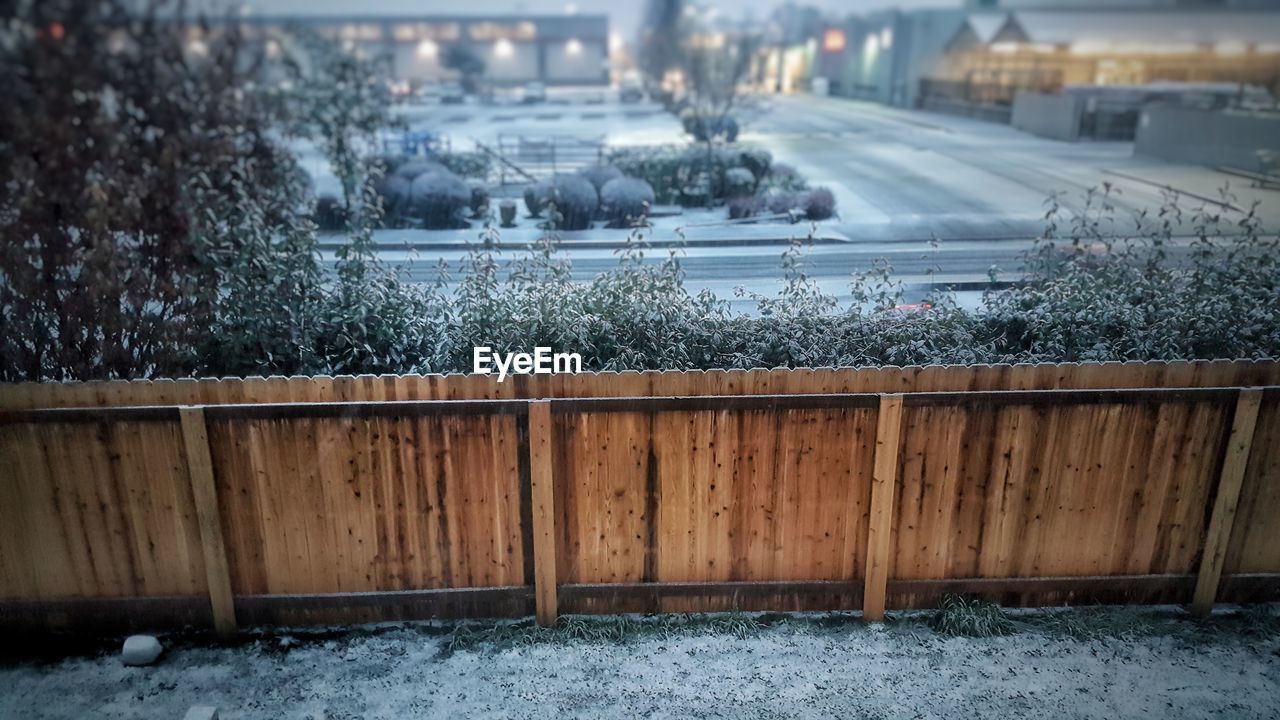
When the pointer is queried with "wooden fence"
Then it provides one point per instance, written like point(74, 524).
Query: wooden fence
point(293, 500)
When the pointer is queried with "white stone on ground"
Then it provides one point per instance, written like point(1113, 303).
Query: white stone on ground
point(140, 650)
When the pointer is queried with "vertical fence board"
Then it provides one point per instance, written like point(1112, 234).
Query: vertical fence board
point(1234, 463)
point(204, 495)
point(542, 482)
point(880, 528)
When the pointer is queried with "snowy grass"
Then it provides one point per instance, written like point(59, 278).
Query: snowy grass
point(1158, 663)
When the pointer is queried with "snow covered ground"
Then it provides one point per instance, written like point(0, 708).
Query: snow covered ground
point(802, 667)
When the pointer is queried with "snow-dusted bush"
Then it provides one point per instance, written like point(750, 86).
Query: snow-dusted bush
point(479, 198)
point(600, 174)
point(576, 200)
point(781, 201)
point(536, 197)
point(738, 182)
point(745, 207)
point(818, 204)
point(784, 177)
point(413, 169)
point(758, 160)
point(438, 199)
point(626, 201)
point(394, 192)
point(330, 213)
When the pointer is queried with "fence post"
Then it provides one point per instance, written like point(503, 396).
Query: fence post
point(195, 438)
point(1224, 506)
point(542, 495)
point(883, 482)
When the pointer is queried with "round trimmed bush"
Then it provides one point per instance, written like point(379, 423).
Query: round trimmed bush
point(536, 197)
point(745, 207)
point(758, 161)
point(479, 198)
point(781, 201)
point(439, 199)
point(819, 204)
point(394, 191)
point(738, 181)
point(626, 201)
point(600, 174)
point(330, 213)
point(576, 200)
point(414, 169)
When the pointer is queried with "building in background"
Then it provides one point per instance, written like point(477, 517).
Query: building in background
point(977, 59)
point(556, 50)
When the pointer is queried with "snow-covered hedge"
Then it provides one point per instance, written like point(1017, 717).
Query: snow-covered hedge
point(600, 174)
point(536, 197)
point(438, 199)
point(626, 201)
point(576, 200)
point(738, 181)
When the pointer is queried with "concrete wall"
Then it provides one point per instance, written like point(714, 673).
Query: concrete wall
point(1205, 137)
point(1052, 116)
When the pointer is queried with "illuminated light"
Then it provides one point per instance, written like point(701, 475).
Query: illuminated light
point(503, 49)
point(871, 47)
point(833, 40)
point(57, 31)
point(573, 48)
point(1230, 48)
point(1107, 48)
point(427, 49)
point(273, 49)
point(197, 48)
point(886, 38)
point(1005, 47)
point(615, 41)
point(571, 9)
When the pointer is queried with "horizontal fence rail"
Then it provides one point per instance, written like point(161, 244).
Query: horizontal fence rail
point(295, 507)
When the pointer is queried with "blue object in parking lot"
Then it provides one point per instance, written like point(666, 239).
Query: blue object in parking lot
point(420, 142)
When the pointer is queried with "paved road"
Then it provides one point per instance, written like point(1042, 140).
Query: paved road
point(901, 179)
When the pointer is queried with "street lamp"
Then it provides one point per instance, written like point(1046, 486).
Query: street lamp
point(428, 49)
point(503, 49)
point(573, 48)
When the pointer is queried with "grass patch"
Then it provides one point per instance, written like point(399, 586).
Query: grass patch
point(971, 617)
point(1095, 623)
point(618, 629)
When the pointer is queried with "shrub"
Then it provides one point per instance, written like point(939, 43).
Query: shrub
point(330, 213)
point(689, 119)
point(536, 197)
point(438, 200)
point(472, 165)
point(745, 207)
point(784, 177)
point(738, 182)
point(394, 190)
point(626, 201)
point(781, 201)
point(413, 169)
point(479, 198)
point(576, 200)
point(660, 166)
point(758, 160)
point(818, 204)
point(964, 617)
point(598, 175)
point(706, 129)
